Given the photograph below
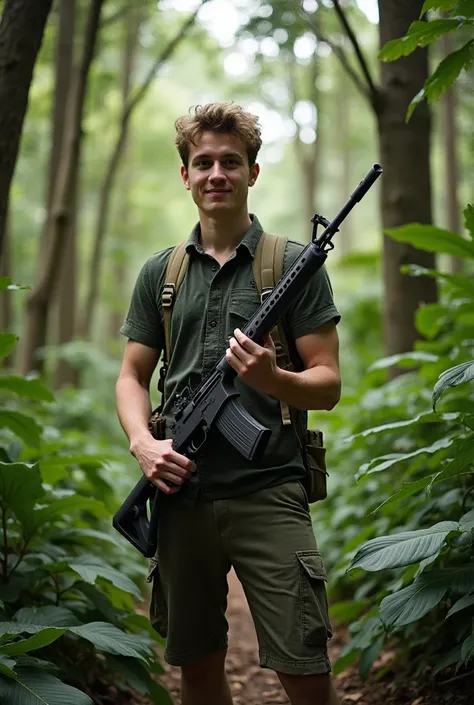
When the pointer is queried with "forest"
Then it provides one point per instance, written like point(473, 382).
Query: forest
point(90, 187)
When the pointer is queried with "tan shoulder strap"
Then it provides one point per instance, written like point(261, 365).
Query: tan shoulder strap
point(175, 271)
point(267, 271)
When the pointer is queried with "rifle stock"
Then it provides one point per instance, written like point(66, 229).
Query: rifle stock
point(215, 402)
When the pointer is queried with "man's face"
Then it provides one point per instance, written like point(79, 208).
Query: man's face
point(218, 173)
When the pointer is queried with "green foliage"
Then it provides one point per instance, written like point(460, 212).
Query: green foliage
point(400, 540)
point(422, 33)
point(67, 608)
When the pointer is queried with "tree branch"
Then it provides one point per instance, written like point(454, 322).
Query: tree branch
point(162, 58)
point(373, 91)
point(339, 52)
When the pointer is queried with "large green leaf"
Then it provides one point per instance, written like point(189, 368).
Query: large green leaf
point(108, 638)
point(408, 359)
point(464, 283)
point(35, 687)
point(77, 535)
point(413, 602)
point(25, 427)
point(441, 5)
point(452, 378)
point(407, 490)
point(63, 506)
point(20, 488)
point(461, 604)
point(7, 343)
point(432, 239)
point(387, 461)
point(403, 548)
point(7, 666)
point(29, 388)
point(50, 615)
point(425, 417)
point(461, 463)
point(420, 34)
point(467, 649)
point(444, 76)
point(91, 567)
point(39, 640)
point(430, 318)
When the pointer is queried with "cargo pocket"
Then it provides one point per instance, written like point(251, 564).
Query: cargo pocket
point(315, 624)
point(158, 607)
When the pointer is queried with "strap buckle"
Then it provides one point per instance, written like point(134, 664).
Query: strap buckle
point(167, 295)
point(266, 291)
point(279, 350)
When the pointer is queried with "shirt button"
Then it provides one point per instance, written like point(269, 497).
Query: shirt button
point(214, 267)
point(213, 324)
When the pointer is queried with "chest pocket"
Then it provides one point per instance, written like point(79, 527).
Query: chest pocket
point(242, 306)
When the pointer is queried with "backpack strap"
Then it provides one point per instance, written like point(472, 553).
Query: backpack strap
point(175, 271)
point(267, 271)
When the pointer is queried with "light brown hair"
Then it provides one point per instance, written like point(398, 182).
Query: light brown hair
point(218, 117)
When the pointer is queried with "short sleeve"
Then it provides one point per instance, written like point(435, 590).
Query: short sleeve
point(314, 306)
point(144, 322)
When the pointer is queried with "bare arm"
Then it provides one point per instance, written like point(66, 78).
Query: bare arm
point(318, 386)
point(157, 459)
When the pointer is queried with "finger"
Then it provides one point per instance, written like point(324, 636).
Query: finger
point(167, 489)
point(175, 460)
point(240, 353)
point(247, 344)
point(233, 361)
point(268, 341)
point(167, 466)
point(172, 477)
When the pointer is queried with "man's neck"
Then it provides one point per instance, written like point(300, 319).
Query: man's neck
point(221, 235)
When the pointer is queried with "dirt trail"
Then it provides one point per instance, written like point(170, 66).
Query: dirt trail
point(252, 685)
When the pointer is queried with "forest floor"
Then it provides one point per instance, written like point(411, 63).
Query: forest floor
point(252, 685)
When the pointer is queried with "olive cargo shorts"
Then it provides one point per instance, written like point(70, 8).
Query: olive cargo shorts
point(268, 538)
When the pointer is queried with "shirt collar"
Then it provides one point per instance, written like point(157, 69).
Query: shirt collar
point(249, 241)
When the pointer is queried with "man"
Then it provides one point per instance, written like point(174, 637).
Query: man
point(229, 511)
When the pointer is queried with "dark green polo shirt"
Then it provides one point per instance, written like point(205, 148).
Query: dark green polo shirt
point(211, 303)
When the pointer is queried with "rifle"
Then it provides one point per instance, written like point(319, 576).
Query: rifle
point(215, 402)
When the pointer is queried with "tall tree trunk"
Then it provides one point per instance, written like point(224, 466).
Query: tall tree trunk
point(67, 296)
point(406, 183)
point(344, 240)
point(118, 262)
point(451, 171)
point(39, 301)
point(111, 174)
point(308, 155)
point(6, 296)
point(21, 33)
point(66, 292)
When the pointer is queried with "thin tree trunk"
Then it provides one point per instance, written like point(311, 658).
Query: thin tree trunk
point(39, 301)
point(111, 173)
point(21, 33)
point(451, 158)
point(66, 292)
point(406, 182)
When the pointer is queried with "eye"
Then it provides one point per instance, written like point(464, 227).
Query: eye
point(203, 164)
point(231, 162)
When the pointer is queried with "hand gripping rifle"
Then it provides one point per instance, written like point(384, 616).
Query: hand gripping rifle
point(215, 403)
